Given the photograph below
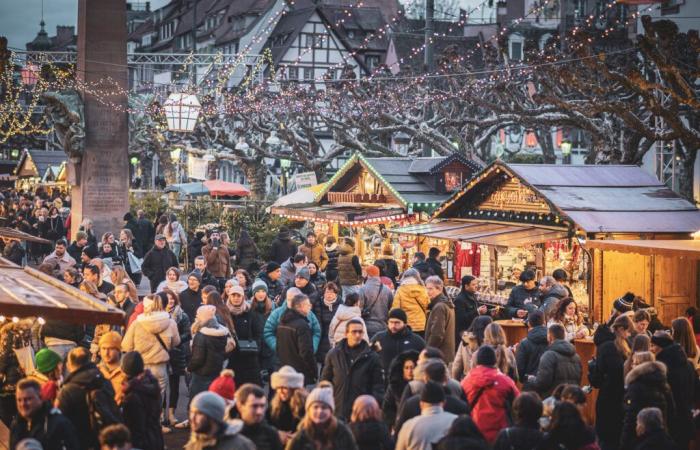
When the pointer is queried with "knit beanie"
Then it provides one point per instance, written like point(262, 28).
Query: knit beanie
point(303, 273)
point(210, 404)
point(258, 285)
point(237, 290)
point(111, 339)
point(271, 267)
point(486, 356)
point(372, 271)
point(205, 313)
point(625, 303)
point(287, 377)
point(323, 393)
point(224, 385)
point(29, 444)
point(662, 339)
point(432, 393)
point(398, 314)
point(46, 360)
point(132, 364)
point(90, 251)
point(197, 274)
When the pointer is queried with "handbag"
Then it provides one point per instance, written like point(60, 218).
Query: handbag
point(248, 346)
point(367, 311)
point(165, 347)
point(134, 262)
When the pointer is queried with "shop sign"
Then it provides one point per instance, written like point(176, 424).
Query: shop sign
point(513, 196)
point(305, 180)
point(196, 168)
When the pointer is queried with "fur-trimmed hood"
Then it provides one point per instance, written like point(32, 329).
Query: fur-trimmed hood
point(649, 372)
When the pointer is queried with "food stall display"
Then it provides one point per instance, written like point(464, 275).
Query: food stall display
point(41, 168)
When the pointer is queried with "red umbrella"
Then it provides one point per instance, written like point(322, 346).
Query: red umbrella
point(218, 188)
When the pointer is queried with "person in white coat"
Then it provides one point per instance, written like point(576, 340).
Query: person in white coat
point(349, 310)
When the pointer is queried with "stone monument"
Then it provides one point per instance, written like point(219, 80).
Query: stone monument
point(100, 176)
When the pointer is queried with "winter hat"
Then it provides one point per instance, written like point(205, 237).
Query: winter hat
point(486, 356)
point(287, 377)
point(128, 216)
point(323, 393)
point(197, 274)
point(624, 304)
point(662, 339)
point(432, 393)
point(258, 285)
point(412, 273)
point(399, 314)
point(372, 271)
point(90, 251)
point(271, 267)
point(303, 273)
point(29, 444)
point(132, 364)
point(224, 385)
point(237, 290)
point(210, 404)
point(148, 304)
point(205, 313)
point(46, 360)
point(111, 339)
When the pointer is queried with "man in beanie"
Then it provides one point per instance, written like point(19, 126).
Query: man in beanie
point(396, 339)
point(270, 276)
point(209, 430)
point(110, 346)
point(270, 330)
point(376, 299)
point(141, 404)
point(682, 379)
point(157, 262)
point(302, 281)
point(524, 298)
point(191, 298)
point(49, 369)
point(314, 251)
point(432, 424)
point(354, 369)
point(488, 392)
point(291, 266)
point(251, 404)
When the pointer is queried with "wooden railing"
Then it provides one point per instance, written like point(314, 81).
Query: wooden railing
point(354, 197)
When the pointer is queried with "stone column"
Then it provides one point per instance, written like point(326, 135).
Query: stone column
point(101, 179)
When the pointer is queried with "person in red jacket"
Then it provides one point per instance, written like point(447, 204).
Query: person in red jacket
point(490, 394)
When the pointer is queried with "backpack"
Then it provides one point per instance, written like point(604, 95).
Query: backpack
point(102, 409)
point(595, 378)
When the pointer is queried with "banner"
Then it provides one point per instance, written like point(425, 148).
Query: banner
point(304, 180)
point(196, 168)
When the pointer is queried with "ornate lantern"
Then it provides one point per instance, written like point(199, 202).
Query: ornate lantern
point(182, 111)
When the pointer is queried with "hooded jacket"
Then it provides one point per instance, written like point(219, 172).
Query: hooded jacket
point(413, 299)
point(295, 344)
point(683, 381)
point(530, 351)
point(497, 392)
point(315, 253)
point(395, 386)
point(376, 302)
point(336, 330)
point(352, 378)
point(48, 426)
point(289, 270)
point(392, 345)
point(646, 387)
point(551, 299)
point(229, 437)
point(332, 264)
point(560, 364)
point(141, 337)
point(209, 349)
point(440, 327)
point(141, 409)
point(282, 247)
point(349, 269)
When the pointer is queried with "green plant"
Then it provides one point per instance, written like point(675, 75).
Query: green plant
point(261, 226)
point(151, 203)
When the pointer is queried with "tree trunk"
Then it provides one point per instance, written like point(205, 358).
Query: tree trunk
point(544, 138)
point(687, 174)
point(146, 164)
point(256, 173)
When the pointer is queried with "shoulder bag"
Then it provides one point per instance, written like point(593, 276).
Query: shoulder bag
point(248, 346)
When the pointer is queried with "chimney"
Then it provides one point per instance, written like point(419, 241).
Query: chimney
point(64, 33)
point(148, 6)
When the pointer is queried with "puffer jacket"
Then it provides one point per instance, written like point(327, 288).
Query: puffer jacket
point(295, 345)
point(551, 299)
point(530, 351)
point(218, 261)
point(497, 392)
point(347, 266)
point(646, 387)
point(325, 315)
point(440, 327)
point(273, 320)
point(560, 364)
point(332, 264)
point(141, 409)
point(141, 337)
point(376, 302)
point(315, 253)
point(413, 299)
point(209, 349)
point(336, 330)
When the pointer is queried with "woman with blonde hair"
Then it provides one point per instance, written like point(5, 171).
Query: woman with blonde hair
point(495, 336)
point(367, 425)
point(119, 276)
point(683, 334)
point(640, 344)
point(127, 244)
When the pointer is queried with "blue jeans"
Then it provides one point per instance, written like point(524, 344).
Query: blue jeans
point(199, 383)
point(176, 247)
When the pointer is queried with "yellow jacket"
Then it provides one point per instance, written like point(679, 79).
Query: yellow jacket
point(413, 299)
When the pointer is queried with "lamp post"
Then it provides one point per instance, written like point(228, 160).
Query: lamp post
point(134, 162)
point(566, 151)
point(175, 155)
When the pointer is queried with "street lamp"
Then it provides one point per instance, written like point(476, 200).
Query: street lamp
point(181, 112)
point(175, 155)
point(566, 151)
point(15, 153)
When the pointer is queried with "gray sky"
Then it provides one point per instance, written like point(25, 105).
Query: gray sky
point(19, 19)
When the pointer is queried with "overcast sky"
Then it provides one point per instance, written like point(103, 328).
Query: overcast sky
point(19, 19)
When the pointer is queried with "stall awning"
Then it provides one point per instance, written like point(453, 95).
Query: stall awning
point(26, 292)
point(686, 248)
point(17, 235)
point(486, 233)
point(346, 215)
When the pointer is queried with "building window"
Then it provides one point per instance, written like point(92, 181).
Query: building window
point(313, 40)
point(516, 50)
point(372, 62)
point(292, 73)
point(453, 181)
point(308, 73)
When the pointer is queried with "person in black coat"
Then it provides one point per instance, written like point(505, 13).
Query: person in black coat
point(179, 355)
point(524, 298)
point(270, 275)
point(208, 349)
point(354, 369)
point(157, 262)
point(646, 387)
point(246, 252)
point(396, 339)
point(525, 434)
point(651, 432)
point(282, 247)
point(683, 381)
point(324, 309)
point(399, 375)
point(191, 298)
point(434, 266)
point(141, 404)
point(531, 348)
point(421, 266)
point(387, 265)
point(251, 405)
point(294, 339)
point(366, 424)
point(466, 306)
point(611, 352)
point(331, 249)
point(463, 435)
point(249, 325)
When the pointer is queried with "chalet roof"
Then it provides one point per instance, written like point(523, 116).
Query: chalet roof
point(602, 198)
point(43, 159)
point(142, 30)
point(238, 8)
point(362, 22)
point(290, 25)
point(184, 25)
point(431, 165)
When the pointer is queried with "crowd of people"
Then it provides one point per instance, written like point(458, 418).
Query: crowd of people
point(312, 350)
